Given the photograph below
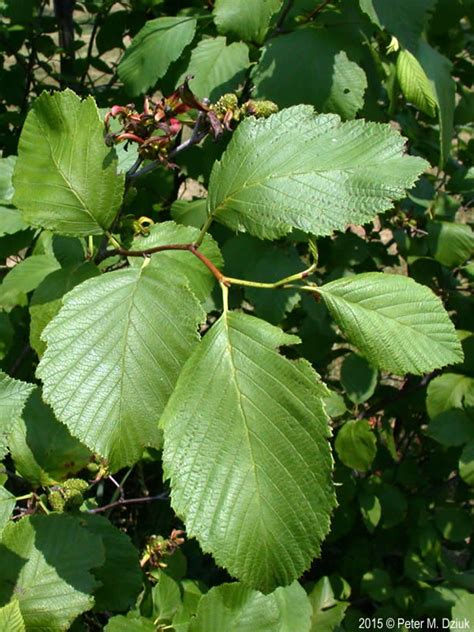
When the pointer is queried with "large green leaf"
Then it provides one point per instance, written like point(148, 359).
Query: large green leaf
point(414, 83)
point(315, 173)
point(160, 42)
point(397, 324)
point(246, 19)
point(46, 300)
point(308, 66)
point(42, 448)
point(247, 454)
point(201, 281)
point(114, 353)
point(406, 19)
point(237, 608)
point(216, 67)
point(46, 562)
point(65, 178)
point(11, 619)
point(13, 396)
point(120, 576)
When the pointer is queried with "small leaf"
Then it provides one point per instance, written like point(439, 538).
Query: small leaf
point(377, 584)
point(453, 523)
point(114, 353)
point(7, 166)
point(7, 504)
point(223, 475)
point(65, 178)
point(130, 623)
point(120, 577)
point(463, 610)
point(356, 445)
point(13, 397)
point(200, 279)
point(358, 378)
point(166, 597)
point(216, 67)
point(370, 508)
point(397, 324)
point(449, 390)
point(318, 179)
point(42, 448)
point(327, 612)
point(156, 45)
point(450, 243)
point(11, 619)
point(46, 562)
point(414, 83)
point(25, 277)
point(247, 20)
point(237, 608)
point(452, 428)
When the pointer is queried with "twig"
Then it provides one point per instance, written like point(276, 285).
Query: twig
point(282, 17)
point(316, 11)
point(129, 501)
point(21, 356)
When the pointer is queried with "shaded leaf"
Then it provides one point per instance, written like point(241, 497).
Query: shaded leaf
point(356, 445)
point(247, 20)
point(358, 378)
point(466, 464)
point(397, 324)
point(309, 66)
point(46, 562)
point(217, 68)
point(7, 504)
point(25, 277)
point(114, 353)
point(157, 44)
point(319, 179)
point(237, 608)
point(172, 262)
point(65, 178)
point(223, 476)
point(452, 428)
point(13, 397)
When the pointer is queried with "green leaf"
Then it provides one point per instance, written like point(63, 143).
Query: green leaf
point(7, 504)
point(7, 166)
point(453, 523)
point(452, 428)
point(13, 396)
point(438, 70)
point(130, 623)
point(308, 66)
point(319, 178)
point(247, 20)
point(356, 444)
point(120, 576)
point(42, 448)
point(449, 390)
point(370, 508)
point(463, 610)
point(274, 264)
point(397, 324)
point(406, 19)
point(358, 378)
point(450, 243)
point(414, 83)
point(11, 221)
point(157, 44)
point(327, 612)
point(172, 262)
point(166, 597)
point(189, 213)
point(25, 277)
point(65, 178)
point(11, 619)
point(237, 608)
point(47, 298)
point(223, 477)
point(466, 464)
point(216, 67)
point(114, 353)
point(46, 562)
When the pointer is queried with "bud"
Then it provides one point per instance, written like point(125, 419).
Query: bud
point(259, 109)
point(69, 496)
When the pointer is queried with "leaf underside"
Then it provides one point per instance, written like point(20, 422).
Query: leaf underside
point(247, 453)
